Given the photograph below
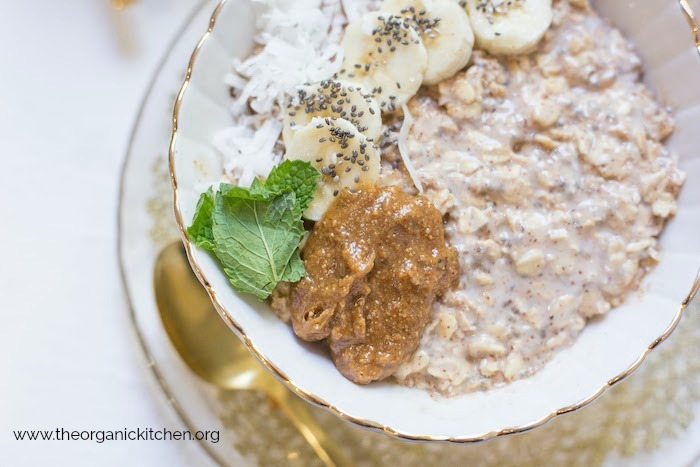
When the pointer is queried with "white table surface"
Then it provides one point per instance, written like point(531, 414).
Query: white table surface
point(69, 91)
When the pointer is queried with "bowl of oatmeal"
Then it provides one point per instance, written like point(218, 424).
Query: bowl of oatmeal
point(433, 220)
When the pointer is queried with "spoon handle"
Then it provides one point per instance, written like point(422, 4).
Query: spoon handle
point(297, 411)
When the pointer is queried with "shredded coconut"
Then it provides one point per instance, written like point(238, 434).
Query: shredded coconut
point(403, 150)
point(355, 9)
point(298, 42)
point(249, 149)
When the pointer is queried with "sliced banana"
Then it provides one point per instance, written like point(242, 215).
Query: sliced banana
point(509, 26)
point(446, 32)
point(386, 56)
point(333, 98)
point(340, 152)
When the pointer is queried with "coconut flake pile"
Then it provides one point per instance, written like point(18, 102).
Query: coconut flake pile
point(298, 42)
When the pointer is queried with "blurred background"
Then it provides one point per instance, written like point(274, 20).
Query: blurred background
point(73, 76)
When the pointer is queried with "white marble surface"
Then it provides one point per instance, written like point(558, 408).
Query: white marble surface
point(69, 91)
point(70, 86)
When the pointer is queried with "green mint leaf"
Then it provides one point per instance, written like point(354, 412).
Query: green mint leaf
point(201, 229)
point(255, 232)
point(257, 188)
point(295, 269)
point(255, 239)
point(256, 191)
point(297, 176)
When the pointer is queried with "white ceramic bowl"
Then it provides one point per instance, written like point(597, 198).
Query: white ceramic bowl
point(607, 351)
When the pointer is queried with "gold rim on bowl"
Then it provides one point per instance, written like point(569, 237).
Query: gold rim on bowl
point(238, 329)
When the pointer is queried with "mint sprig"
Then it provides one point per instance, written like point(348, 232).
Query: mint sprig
point(255, 232)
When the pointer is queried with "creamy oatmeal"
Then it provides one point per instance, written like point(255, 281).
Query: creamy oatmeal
point(526, 126)
point(554, 181)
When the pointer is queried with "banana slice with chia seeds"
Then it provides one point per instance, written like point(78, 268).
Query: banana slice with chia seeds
point(446, 32)
point(509, 26)
point(385, 55)
point(333, 98)
point(343, 155)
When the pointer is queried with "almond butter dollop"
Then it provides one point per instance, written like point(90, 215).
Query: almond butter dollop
point(375, 264)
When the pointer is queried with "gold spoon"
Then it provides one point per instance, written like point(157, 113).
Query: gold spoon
point(211, 350)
